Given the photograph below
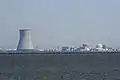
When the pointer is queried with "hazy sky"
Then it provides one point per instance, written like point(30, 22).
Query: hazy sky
point(60, 22)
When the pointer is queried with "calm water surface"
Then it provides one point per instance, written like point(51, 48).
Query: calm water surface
point(60, 67)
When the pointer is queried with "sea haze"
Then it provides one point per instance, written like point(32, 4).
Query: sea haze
point(57, 23)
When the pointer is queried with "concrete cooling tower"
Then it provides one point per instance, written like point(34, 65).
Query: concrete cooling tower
point(25, 41)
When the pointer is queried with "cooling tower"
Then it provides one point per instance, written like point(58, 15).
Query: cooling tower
point(25, 41)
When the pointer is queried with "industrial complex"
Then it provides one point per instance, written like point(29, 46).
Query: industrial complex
point(25, 44)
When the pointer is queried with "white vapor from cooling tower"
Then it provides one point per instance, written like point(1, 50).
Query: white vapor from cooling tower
point(25, 41)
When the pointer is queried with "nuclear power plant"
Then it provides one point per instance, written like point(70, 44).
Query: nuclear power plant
point(25, 45)
point(25, 40)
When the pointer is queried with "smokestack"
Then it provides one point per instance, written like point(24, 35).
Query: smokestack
point(25, 41)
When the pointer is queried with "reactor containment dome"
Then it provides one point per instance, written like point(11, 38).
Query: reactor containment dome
point(25, 41)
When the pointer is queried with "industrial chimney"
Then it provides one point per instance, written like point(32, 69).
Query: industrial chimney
point(25, 41)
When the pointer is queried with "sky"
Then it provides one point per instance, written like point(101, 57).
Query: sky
point(60, 22)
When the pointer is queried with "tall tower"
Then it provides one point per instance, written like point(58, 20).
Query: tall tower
point(25, 41)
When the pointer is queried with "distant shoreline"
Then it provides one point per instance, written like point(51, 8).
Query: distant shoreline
point(62, 53)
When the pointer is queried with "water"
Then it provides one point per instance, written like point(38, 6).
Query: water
point(60, 67)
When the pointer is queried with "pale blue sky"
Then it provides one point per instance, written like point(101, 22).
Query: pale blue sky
point(60, 22)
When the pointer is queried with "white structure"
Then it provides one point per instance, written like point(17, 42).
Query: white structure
point(85, 47)
point(99, 47)
point(25, 41)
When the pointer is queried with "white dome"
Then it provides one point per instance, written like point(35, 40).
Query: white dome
point(99, 46)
